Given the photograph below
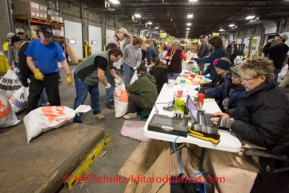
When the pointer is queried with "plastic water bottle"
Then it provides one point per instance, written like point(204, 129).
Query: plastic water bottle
point(182, 81)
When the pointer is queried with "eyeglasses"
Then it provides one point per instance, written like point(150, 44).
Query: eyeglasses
point(247, 79)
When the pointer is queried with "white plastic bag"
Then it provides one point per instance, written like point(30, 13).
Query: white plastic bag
point(45, 118)
point(9, 83)
point(134, 78)
point(19, 99)
point(7, 116)
point(120, 100)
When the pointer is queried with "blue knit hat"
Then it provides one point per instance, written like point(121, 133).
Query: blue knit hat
point(222, 64)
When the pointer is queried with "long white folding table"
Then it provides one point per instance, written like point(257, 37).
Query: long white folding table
point(228, 142)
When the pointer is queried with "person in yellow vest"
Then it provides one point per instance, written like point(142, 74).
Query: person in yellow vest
point(6, 43)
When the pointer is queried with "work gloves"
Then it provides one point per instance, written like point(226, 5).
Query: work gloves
point(107, 86)
point(69, 79)
point(37, 74)
point(117, 81)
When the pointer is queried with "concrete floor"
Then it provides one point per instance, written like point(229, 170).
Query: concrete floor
point(119, 149)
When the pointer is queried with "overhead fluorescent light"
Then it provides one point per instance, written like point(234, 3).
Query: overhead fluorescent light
point(114, 1)
point(187, 28)
point(221, 29)
point(193, 0)
point(156, 27)
point(232, 25)
point(190, 16)
point(149, 23)
point(137, 15)
point(189, 24)
point(250, 17)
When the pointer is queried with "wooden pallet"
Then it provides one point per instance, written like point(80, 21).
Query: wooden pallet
point(41, 165)
point(31, 17)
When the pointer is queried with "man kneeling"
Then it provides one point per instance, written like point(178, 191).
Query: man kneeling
point(142, 93)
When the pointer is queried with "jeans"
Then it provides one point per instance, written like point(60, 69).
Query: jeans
point(51, 84)
point(17, 66)
point(134, 103)
point(109, 92)
point(173, 74)
point(81, 93)
point(276, 72)
point(128, 73)
point(201, 65)
point(43, 99)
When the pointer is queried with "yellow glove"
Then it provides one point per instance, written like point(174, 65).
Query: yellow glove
point(37, 74)
point(69, 79)
point(187, 61)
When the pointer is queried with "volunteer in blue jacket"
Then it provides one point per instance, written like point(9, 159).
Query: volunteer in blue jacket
point(230, 92)
point(218, 52)
point(42, 56)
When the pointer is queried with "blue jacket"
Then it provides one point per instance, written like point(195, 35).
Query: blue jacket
point(151, 53)
point(217, 53)
point(221, 91)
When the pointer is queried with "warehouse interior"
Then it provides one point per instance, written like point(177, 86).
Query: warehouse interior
point(91, 23)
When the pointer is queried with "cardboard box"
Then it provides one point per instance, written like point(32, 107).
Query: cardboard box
point(35, 27)
point(58, 33)
point(159, 170)
point(43, 14)
point(53, 13)
point(148, 160)
point(25, 7)
point(163, 164)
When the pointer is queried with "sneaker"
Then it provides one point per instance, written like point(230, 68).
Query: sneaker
point(130, 116)
point(109, 105)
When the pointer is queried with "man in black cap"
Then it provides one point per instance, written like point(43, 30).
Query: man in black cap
point(277, 53)
point(18, 43)
point(203, 51)
point(42, 56)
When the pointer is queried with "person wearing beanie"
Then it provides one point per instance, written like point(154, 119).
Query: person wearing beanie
point(222, 66)
point(6, 43)
point(230, 92)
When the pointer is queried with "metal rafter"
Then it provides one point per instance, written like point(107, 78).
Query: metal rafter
point(209, 15)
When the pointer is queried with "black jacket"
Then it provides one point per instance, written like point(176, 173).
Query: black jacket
point(25, 71)
point(229, 50)
point(276, 53)
point(262, 118)
point(160, 73)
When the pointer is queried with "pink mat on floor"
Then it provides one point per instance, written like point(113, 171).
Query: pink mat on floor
point(134, 129)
